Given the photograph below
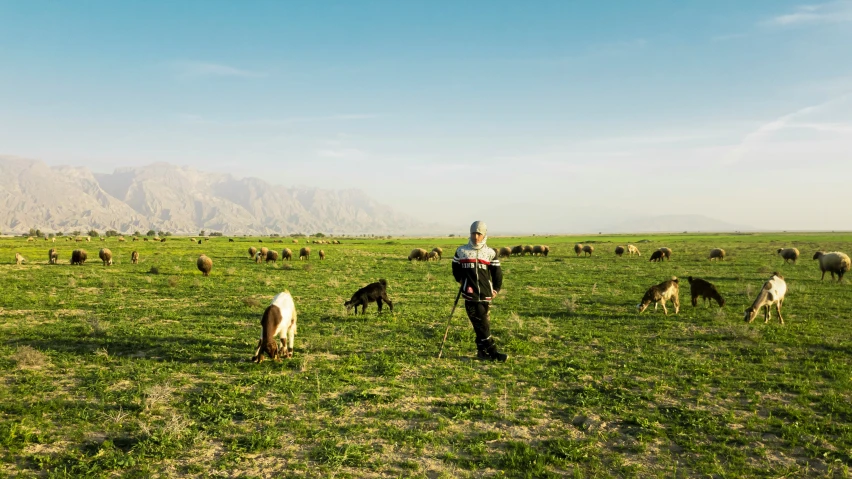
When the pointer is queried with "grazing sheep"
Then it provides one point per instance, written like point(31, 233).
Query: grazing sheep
point(578, 248)
point(230, 240)
point(704, 289)
point(619, 250)
point(439, 251)
point(588, 249)
point(135, 238)
point(88, 239)
point(789, 254)
point(659, 294)
point(773, 292)
point(372, 292)
point(145, 239)
point(204, 264)
point(295, 241)
point(121, 239)
point(656, 256)
point(418, 254)
point(545, 250)
point(667, 253)
point(518, 250)
point(199, 241)
point(279, 319)
point(528, 250)
point(106, 256)
point(252, 252)
point(271, 256)
point(79, 256)
point(163, 240)
point(19, 259)
point(79, 239)
point(538, 250)
point(134, 257)
point(305, 253)
point(631, 250)
point(433, 256)
point(261, 254)
point(504, 252)
point(192, 240)
point(52, 256)
point(717, 254)
point(287, 254)
point(30, 239)
point(835, 262)
point(102, 238)
point(322, 254)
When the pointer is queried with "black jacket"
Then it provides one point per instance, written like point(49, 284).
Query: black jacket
point(478, 271)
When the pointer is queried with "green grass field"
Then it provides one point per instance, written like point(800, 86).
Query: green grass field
point(120, 372)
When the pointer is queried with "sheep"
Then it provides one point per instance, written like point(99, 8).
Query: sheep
point(717, 254)
point(52, 256)
point(134, 257)
point(439, 251)
point(88, 239)
point(121, 239)
point(305, 253)
point(79, 256)
point(102, 238)
point(199, 241)
point(192, 240)
point(295, 241)
point(588, 249)
point(106, 256)
point(261, 254)
point(699, 288)
point(789, 254)
point(252, 251)
point(619, 250)
point(279, 319)
point(773, 292)
point(372, 292)
point(30, 239)
point(418, 254)
point(835, 262)
point(538, 250)
point(433, 256)
point(631, 250)
point(204, 264)
point(145, 239)
point(528, 250)
point(578, 248)
point(163, 240)
point(287, 254)
point(659, 294)
point(230, 240)
point(135, 238)
point(322, 254)
point(272, 256)
point(667, 253)
point(504, 252)
point(545, 250)
point(79, 239)
point(656, 256)
point(19, 259)
point(518, 250)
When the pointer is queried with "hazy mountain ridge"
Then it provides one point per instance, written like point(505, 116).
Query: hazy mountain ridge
point(181, 200)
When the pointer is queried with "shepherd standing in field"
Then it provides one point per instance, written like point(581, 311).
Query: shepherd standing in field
point(477, 269)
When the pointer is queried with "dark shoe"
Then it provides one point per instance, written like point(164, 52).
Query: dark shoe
point(487, 351)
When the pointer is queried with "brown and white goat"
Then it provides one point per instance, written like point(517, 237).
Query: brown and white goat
point(773, 292)
point(659, 294)
point(279, 319)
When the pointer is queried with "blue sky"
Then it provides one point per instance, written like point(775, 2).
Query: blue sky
point(537, 116)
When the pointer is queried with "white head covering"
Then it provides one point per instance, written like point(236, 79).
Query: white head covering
point(478, 227)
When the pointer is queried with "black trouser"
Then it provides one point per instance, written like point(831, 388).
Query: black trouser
point(478, 314)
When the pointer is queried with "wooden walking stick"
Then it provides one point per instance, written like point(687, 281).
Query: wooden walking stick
point(448, 322)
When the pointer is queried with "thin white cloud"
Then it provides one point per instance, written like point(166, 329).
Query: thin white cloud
point(207, 69)
point(342, 153)
point(832, 12)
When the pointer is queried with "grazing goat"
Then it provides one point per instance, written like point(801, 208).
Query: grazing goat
point(588, 250)
point(717, 254)
point(418, 254)
point(305, 253)
point(773, 292)
point(439, 251)
point(518, 250)
point(134, 257)
point(619, 250)
point(667, 253)
point(252, 252)
point(433, 256)
point(19, 258)
point(52, 256)
point(789, 254)
point(79, 256)
point(372, 292)
point(659, 294)
point(835, 262)
point(657, 256)
point(106, 256)
point(578, 248)
point(204, 264)
point(279, 319)
point(287, 254)
point(699, 288)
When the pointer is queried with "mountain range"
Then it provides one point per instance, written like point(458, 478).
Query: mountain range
point(180, 200)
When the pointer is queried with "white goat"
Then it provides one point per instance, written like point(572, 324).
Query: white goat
point(772, 293)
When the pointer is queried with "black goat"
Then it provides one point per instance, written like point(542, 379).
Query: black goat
point(699, 288)
point(372, 292)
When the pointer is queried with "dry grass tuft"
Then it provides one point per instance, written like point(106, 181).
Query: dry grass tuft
point(28, 357)
point(157, 395)
point(570, 304)
point(308, 267)
point(72, 282)
point(95, 325)
point(251, 302)
point(333, 283)
point(173, 281)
